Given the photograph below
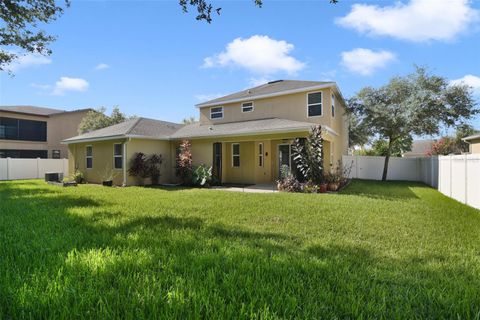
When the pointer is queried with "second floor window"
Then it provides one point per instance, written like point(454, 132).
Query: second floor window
point(118, 155)
point(236, 155)
point(247, 107)
point(333, 105)
point(21, 129)
point(216, 113)
point(314, 104)
point(89, 157)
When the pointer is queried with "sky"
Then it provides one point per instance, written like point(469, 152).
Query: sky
point(152, 60)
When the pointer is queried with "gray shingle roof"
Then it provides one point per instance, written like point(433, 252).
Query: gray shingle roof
point(270, 125)
point(272, 87)
point(135, 127)
point(37, 111)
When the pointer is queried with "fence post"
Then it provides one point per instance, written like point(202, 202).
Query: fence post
point(356, 167)
point(38, 168)
point(8, 168)
point(450, 159)
point(465, 162)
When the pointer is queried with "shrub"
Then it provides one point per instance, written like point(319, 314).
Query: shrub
point(183, 166)
point(310, 187)
point(78, 177)
point(308, 155)
point(138, 166)
point(202, 175)
point(153, 164)
point(288, 182)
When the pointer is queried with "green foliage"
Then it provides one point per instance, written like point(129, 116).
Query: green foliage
point(189, 120)
point(453, 144)
point(380, 148)
point(202, 175)
point(78, 177)
point(138, 166)
point(375, 251)
point(19, 27)
point(417, 104)
point(154, 163)
point(183, 164)
point(359, 133)
point(308, 155)
point(97, 119)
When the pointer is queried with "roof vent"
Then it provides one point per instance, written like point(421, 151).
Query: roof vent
point(275, 81)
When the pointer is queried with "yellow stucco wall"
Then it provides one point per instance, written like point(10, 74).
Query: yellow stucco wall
point(475, 146)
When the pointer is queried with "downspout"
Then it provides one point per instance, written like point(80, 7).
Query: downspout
point(124, 184)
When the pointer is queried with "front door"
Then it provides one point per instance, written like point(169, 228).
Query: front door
point(283, 157)
point(217, 162)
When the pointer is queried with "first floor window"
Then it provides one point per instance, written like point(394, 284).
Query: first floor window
point(236, 155)
point(89, 156)
point(216, 113)
point(314, 104)
point(118, 155)
point(260, 154)
point(55, 154)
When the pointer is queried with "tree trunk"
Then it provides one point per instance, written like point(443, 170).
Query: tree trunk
point(387, 159)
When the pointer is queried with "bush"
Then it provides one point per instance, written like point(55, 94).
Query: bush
point(138, 167)
point(308, 156)
point(183, 166)
point(153, 164)
point(202, 175)
point(288, 182)
point(78, 177)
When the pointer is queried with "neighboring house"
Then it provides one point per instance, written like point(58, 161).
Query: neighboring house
point(36, 132)
point(474, 142)
point(420, 148)
point(245, 136)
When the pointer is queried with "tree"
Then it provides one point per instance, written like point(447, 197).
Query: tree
point(380, 148)
point(97, 119)
point(453, 144)
point(183, 165)
point(417, 104)
point(358, 133)
point(308, 155)
point(19, 27)
point(205, 8)
point(189, 120)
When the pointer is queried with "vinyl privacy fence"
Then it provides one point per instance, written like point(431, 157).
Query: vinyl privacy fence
point(14, 169)
point(424, 169)
point(456, 176)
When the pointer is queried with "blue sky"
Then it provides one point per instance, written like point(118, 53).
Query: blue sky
point(152, 60)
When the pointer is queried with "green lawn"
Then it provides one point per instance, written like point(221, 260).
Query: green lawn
point(377, 250)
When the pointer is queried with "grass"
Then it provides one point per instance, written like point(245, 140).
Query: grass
point(377, 250)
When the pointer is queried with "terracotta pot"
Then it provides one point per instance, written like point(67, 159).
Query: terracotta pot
point(323, 187)
point(333, 186)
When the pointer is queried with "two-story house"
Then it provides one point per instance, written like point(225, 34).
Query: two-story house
point(36, 132)
point(245, 136)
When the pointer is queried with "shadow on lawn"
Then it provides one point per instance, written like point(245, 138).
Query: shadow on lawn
point(383, 190)
point(183, 267)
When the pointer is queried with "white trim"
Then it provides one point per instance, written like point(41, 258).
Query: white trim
point(124, 165)
point(115, 156)
point(221, 107)
point(269, 95)
point(237, 155)
point(252, 106)
point(68, 141)
point(315, 104)
point(88, 157)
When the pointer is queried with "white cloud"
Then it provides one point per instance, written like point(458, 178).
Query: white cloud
point(258, 54)
point(40, 86)
point(69, 84)
point(209, 96)
point(469, 80)
point(102, 66)
point(417, 20)
point(28, 60)
point(366, 61)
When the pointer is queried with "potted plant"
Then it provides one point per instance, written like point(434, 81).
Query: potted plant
point(322, 187)
point(108, 176)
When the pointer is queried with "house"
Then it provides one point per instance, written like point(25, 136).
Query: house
point(36, 132)
point(420, 148)
point(474, 142)
point(245, 136)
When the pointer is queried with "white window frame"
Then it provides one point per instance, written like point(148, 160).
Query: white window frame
point(236, 155)
point(221, 107)
point(315, 104)
point(333, 105)
point(88, 157)
point(261, 152)
point(117, 156)
point(252, 106)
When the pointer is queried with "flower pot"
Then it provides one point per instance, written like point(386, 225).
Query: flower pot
point(107, 183)
point(333, 186)
point(323, 187)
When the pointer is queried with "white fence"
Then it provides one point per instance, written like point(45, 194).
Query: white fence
point(14, 169)
point(424, 169)
point(459, 178)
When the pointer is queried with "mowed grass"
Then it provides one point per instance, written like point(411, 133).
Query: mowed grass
point(377, 250)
